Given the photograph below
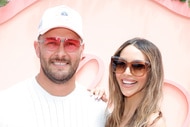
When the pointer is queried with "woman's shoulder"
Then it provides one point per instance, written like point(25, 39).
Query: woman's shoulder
point(156, 120)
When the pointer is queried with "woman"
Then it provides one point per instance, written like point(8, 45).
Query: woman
point(135, 85)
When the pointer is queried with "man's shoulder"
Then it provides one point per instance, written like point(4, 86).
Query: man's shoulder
point(16, 89)
point(85, 97)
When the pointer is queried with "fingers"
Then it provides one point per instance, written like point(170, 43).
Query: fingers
point(104, 98)
point(99, 93)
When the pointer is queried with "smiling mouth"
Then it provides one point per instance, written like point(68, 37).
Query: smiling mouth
point(60, 63)
point(127, 82)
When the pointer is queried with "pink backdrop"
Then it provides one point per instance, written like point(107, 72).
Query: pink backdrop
point(107, 24)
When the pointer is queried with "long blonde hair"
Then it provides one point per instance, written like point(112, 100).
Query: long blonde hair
point(153, 87)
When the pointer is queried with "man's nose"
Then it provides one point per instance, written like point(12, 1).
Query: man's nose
point(61, 51)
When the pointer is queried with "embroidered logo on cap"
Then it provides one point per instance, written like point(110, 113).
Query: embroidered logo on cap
point(64, 13)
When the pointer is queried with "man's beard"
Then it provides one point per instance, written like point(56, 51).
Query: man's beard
point(58, 76)
point(58, 79)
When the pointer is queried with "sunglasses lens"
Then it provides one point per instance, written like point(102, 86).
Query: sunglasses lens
point(118, 65)
point(71, 45)
point(51, 43)
point(138, 69)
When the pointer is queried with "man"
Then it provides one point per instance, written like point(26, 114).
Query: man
point(53, 98)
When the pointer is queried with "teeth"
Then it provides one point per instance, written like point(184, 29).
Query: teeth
point(128, 82)
point(60, 63)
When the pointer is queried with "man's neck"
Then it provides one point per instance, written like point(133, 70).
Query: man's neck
point(56, 89)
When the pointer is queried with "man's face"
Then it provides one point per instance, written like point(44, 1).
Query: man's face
point(59, 57)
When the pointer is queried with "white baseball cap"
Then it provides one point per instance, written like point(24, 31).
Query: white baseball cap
point(61, 16)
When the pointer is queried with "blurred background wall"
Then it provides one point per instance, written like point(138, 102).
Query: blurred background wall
point(107, 24)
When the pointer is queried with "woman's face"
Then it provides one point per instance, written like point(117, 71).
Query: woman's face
point(129, 84)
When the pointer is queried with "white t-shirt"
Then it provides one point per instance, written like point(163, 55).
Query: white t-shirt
point(27, 104)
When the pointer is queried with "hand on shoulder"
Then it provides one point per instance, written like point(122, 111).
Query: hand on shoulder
point(99, 93)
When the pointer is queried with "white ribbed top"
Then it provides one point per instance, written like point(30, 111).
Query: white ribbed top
point(28, 105)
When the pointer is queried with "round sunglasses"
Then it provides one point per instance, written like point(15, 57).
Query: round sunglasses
point(53, 43)
point(137, 68)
